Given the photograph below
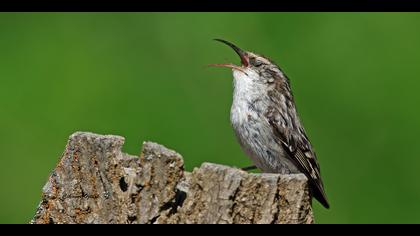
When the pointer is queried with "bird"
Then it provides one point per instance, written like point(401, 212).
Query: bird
point(266, 123)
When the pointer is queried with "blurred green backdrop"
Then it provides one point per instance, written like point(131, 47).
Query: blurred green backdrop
point(355, 78)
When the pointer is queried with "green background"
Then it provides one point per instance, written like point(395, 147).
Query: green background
point(355, 77)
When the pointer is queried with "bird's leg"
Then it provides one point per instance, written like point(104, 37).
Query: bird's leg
point(248, 168)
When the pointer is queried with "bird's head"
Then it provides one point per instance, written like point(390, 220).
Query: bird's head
point(253, 66)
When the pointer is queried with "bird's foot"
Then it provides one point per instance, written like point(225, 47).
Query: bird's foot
point(248, 168)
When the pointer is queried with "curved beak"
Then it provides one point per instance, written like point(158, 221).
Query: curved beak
point(241, 53)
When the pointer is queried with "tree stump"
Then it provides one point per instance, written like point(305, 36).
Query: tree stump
point(94, 182)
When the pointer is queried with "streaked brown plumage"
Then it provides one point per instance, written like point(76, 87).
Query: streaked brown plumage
point(266, 123)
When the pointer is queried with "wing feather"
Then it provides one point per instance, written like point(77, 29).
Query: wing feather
point(290, 133)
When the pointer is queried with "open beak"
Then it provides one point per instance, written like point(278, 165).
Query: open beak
point(242, 54)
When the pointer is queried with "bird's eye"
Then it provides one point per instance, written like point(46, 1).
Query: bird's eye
point(255, 62)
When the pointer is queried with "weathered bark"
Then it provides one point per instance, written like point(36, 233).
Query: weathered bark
point(95, 182)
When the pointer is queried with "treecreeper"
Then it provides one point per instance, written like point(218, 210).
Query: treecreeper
point(266, 122)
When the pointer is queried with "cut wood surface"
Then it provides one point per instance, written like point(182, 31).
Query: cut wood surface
point(94, 182)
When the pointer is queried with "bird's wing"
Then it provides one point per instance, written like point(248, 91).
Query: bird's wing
point(297, 145)
point(289, 133)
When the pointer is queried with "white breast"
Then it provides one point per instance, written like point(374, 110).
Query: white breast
point(244, 91)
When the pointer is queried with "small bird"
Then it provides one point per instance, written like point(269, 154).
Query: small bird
point(266, 123)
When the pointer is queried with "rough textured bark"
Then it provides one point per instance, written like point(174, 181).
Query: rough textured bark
point(94, 182)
